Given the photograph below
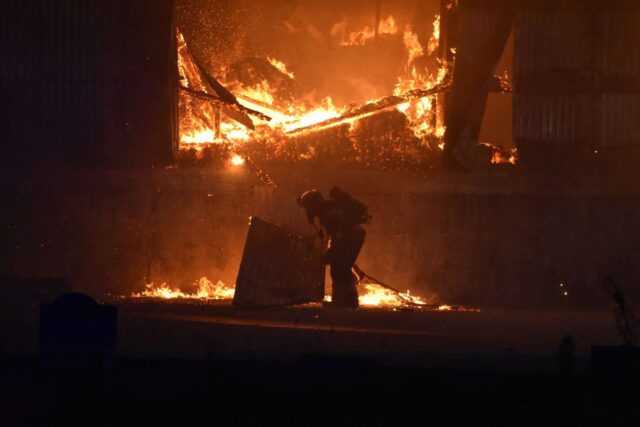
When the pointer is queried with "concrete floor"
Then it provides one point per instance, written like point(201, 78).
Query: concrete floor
point(511, 340)
point(493, 338)
point(197, 361)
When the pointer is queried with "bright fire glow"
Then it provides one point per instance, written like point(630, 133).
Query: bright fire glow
point(324, 112)
point(281, 67)
point(237, 160)
point(205, 290)
point(261, 93)
point(434, 40)
point(412, 45)
point(198, 137)
point(198, 119)
point(500, 157)
point(373, 295)
point(361, 37)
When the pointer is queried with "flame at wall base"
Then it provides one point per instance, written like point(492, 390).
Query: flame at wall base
point(371, 295)
point(206, 290)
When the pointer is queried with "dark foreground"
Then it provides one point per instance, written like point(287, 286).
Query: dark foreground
point(311, 391)
point(180, 363)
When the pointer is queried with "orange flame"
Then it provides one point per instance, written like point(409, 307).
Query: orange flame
point(237, 160)
point(374, 295)
point(412, 45)
point(280, 66)
point(261, 92)
point(434, 40)
point(206, 290)
point(361, 37)
point(424, 115)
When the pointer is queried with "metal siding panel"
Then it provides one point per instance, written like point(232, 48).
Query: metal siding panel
point(620, 56)
point(68, 97)
point(279, 268)
point(476, 25)
point(619, 68)
point(620, 115)
point(600, 105)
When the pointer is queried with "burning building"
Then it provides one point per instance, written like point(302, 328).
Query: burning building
point(156, 129)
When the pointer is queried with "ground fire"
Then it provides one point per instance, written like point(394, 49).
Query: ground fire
point(371, 295)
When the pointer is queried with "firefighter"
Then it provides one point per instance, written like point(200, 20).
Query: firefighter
point(341, 217)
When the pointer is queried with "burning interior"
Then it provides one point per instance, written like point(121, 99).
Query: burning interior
point(268, 109)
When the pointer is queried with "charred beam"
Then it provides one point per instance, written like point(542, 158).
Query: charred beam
point(375, 107)
point(224, 99)
point(214, 85)
point(224, 105)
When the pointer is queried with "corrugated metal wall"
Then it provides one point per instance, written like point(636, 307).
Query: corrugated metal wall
point(477, 25)
point(87, 83)
point(577, 75)
point(618, 65)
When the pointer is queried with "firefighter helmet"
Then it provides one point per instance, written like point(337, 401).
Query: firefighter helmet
point(310, 199)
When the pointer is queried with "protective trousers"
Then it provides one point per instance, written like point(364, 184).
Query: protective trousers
point(343, 254)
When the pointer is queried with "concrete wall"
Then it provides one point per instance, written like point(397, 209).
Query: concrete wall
point(111, 232)
point(476, 239)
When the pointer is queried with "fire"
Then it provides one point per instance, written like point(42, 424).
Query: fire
point(423, 113)
point(198, 119)
point(236, 134)
point(412, 45)
point(374, 295)
point(202, 125)
point(261, 93)
point(206, 290)
point(324, 112)
point(281, 67)
point(434, 40)
point(370, 295)
point(198, 137)
point(500, 157)
point(361, 37)
point(237, 160)
point(186, 69)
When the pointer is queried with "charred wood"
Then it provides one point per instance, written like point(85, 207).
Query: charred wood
point(232, 110)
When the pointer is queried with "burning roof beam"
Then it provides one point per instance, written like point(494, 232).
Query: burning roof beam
point(374, 107)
